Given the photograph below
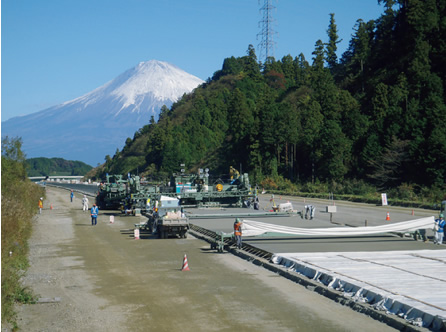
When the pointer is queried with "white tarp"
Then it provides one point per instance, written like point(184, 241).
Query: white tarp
point(254, 228)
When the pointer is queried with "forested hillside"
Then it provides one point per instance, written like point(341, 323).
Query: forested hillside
point(376, 114)
point(55, 166)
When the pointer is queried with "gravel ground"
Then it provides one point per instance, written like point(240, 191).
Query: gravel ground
point(98, 278)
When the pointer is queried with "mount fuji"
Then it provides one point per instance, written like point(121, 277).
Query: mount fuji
point(97, 124)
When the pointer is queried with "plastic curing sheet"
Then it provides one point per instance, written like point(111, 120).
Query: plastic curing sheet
point(410, 284)
point(253, 228)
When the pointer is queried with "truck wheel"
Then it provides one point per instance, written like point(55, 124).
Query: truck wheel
point(185, 235)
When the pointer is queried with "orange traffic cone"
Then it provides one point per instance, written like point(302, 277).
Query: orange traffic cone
point(185, 265)
point(51, 206)
point(112, 219)
point(413, 213)
point(388, 216)
point(136, 234)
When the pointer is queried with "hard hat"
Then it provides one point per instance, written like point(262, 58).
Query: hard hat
point(441, 215)
point(237, 220)
point(41, 198)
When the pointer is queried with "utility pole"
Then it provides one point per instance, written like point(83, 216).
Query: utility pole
point(267, 32)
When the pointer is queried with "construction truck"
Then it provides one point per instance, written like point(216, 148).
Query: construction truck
point(166, 218)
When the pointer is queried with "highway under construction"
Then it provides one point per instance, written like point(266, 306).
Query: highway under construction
point(385, 276)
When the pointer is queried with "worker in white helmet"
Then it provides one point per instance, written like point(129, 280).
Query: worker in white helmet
point(85, 203)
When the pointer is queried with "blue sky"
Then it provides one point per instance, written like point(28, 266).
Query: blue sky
point(56, 50)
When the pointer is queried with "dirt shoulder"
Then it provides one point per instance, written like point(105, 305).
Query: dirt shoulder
point(104, 280)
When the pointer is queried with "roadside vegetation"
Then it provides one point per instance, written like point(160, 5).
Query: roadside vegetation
point(358, 191)
point(19, 205)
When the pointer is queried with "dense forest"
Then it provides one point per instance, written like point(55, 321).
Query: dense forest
point(377, 114)
point(55, 166)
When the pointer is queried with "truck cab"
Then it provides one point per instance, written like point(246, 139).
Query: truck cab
point(166, 218)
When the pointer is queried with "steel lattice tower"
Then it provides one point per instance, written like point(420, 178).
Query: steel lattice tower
point(267, 32)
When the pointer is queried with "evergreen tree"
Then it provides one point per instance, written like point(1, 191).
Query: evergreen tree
point(331, 46)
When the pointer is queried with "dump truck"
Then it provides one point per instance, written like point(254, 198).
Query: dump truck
point(166, 218)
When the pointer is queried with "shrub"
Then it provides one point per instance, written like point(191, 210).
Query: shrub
point(19, 205)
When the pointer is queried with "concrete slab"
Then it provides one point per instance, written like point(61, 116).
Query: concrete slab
point(411, 284)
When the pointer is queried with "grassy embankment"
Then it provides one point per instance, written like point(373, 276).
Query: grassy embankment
point(358, 191)
point(19, 206)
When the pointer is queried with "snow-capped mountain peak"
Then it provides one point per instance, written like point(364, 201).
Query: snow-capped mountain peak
point(160, 79)
point(142, 88)
point(91, 126)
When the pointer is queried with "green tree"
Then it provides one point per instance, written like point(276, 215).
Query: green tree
point(387, 166)
point(318, 55)
point(331, 46)
point(12, 149)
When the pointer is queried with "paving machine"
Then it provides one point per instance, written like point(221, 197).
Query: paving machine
point(196, 189)
point(112, 192)
point(200, 189)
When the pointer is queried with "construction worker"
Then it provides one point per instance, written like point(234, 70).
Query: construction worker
point(234, 174)
point(420, 234)
point(238, 232)
point(85, 203)
point(72, 195)
point(439, 230)
point(256, 204)
point(94, 215)
point(40, 205)
point(309, 211)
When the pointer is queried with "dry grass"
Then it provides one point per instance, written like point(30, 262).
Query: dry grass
point(19, 205)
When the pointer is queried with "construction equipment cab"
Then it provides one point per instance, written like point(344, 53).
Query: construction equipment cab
point(167, 218)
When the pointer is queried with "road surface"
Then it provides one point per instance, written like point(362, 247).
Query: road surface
point(100, 278)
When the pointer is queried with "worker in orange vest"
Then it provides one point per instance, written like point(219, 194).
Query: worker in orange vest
point(238, 232)
point(40, 205)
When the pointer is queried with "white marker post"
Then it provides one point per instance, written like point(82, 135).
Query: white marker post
point(384, 199)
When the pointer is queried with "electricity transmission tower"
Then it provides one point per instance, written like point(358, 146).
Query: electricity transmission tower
point(267, 32)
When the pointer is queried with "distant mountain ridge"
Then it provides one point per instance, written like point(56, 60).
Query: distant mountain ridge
point(55, 166)
point(97, 124)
